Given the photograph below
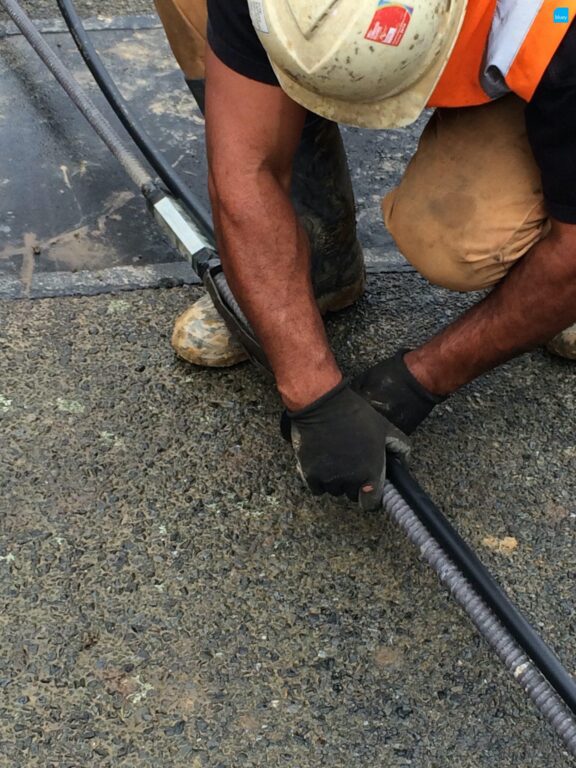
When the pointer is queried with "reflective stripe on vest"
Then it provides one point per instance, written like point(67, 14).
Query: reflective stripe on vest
point(504, 46)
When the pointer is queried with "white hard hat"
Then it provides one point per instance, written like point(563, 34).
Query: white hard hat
point(371, 63)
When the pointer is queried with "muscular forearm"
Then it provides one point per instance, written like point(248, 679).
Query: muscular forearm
point(252, 132)
point(266, 260)
point(532, 304)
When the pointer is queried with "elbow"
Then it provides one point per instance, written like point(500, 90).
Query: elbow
point(230, 197)
point(239, 194)
point(561, 252)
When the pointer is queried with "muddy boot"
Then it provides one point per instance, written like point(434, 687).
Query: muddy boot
point(564, 345)
point(323, 198)
point(201, 337)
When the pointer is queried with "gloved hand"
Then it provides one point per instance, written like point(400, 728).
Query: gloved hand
point(340, 444)
point(393, 391)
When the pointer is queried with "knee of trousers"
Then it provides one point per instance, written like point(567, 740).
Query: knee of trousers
point(451, 246)
point(185, 23)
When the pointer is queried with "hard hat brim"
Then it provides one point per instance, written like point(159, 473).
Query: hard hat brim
point(392, 112)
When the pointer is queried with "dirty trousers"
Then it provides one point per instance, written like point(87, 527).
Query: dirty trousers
point(470, 203)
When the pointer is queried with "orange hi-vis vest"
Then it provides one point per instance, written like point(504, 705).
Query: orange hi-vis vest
point(504, 46)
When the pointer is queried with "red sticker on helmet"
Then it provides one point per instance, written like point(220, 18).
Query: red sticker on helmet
point(390, 23)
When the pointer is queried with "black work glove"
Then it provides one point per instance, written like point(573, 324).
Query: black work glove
point(391, 389)
point(340, 444)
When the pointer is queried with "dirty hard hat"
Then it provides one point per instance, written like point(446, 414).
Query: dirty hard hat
point(371, 63)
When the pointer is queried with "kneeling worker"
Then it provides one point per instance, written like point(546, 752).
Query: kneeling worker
point(488, 200)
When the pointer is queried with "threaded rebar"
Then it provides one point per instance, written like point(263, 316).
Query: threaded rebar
point(505, 646)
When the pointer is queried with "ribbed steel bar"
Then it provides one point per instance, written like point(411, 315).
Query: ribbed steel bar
point(522, 668)
point(484, 583)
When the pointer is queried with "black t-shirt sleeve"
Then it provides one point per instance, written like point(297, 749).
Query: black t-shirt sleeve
point(551, 124)
point(235, 42)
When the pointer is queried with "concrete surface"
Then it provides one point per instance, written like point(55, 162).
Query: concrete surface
point(170, 594)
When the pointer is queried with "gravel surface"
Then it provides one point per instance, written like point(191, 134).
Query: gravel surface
point(172, 596)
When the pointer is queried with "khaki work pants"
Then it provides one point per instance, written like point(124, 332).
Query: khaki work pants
point(470, 203)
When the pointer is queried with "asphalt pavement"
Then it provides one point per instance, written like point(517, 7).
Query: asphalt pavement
point(172, 596)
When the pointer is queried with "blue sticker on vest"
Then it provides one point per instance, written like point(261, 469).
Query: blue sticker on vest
point(561, 15)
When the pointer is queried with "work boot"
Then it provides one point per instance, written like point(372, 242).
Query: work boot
point(323, 198)
point(564, 345)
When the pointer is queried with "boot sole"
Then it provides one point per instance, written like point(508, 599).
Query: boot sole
point(330, 302)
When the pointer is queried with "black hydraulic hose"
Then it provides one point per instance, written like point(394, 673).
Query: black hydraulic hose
point(99, 123)
point(524, 671)
point(455, 547)
point(473, 569)
point(173, 181)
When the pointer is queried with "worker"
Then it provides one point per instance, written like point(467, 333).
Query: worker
point(487, 202)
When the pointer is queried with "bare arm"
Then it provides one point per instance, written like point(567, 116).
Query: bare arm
point(253, 132)
point(532, 304)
